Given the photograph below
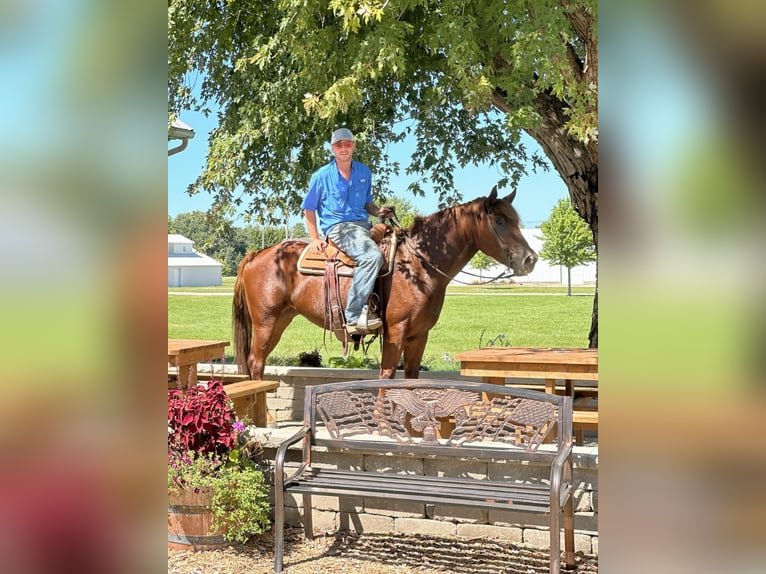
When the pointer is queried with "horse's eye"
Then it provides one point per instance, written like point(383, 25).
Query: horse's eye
point(499, 220)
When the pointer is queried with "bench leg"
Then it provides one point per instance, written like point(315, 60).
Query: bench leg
point(187, 376)
point(259, 410)
point(569, 554)
point(279, 527)
point(308, 523)
point(555, 545)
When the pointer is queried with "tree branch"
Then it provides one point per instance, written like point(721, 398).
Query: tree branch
point(575, 63)
point(583, 25)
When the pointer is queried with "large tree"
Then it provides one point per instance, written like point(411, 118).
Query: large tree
point(463, 78)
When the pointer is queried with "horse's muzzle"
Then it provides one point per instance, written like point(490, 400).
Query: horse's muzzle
point(529, 262)
point(522, 264)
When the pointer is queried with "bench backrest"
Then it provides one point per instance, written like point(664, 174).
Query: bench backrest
point(437, 417)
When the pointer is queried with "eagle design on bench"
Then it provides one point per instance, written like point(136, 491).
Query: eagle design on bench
point(515, 421)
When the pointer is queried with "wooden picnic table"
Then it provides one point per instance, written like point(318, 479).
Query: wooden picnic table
point(496, 364)
point(186, 353)
point(505, 365)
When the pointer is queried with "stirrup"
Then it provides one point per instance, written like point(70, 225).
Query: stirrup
point(368, 322)
point(354, 330)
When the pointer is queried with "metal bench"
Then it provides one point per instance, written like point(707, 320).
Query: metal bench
point(431, 418)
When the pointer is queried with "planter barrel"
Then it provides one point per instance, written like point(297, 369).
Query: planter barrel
point(189, 520)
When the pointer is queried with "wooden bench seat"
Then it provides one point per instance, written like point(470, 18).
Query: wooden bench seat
point(223, 377)
point(500, 426)
point(584, 420)
point(579, 390)
point(249, 399)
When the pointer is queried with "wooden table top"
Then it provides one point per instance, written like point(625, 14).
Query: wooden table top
point(186, 351)
point(533, 362)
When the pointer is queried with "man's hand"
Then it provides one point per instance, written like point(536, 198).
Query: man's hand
point(317, 246)
point(386, 212)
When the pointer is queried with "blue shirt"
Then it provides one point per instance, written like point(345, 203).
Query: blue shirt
point(334, 199)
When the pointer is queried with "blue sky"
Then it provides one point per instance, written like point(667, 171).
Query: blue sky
point(538, 192)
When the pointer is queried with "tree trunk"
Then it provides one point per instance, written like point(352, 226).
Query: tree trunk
point(569, 281)
point(576, 162)
point(593, 335)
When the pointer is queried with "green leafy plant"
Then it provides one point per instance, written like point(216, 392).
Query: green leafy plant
point(351, 362)
point(211, 452)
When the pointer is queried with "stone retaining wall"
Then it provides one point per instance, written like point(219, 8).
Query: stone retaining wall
point(330, 514)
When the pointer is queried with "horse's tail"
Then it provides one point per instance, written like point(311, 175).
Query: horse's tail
point(241, 322)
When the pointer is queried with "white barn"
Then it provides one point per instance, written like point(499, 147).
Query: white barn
point(189, 268)
point(544, 272)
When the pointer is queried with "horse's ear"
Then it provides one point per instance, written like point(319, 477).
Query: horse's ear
point(491, 200)
point(511, 196)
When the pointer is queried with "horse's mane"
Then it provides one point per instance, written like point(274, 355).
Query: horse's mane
point(425, 222)
point(422, 222)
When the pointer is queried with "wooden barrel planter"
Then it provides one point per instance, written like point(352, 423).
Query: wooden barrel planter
point(189, 523)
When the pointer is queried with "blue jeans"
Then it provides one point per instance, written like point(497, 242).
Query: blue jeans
point(353, 238)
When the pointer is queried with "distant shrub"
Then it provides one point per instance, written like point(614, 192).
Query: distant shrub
point(310, 359)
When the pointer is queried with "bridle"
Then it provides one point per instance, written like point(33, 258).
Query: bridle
point(503, 245)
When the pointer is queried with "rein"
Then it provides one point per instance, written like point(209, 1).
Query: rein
point(503, 275)
point(500, 242)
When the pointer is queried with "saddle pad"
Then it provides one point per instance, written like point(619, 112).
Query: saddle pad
point(311, 263)
point(315, 263)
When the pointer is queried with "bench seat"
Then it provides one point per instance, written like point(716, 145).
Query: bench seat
point(425, 489)
point(584, 419)
point(249, 399)
point(206, 376)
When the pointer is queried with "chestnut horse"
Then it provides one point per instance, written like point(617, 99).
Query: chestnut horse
point(270, 291)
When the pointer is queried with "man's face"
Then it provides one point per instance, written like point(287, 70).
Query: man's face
point(343, 149)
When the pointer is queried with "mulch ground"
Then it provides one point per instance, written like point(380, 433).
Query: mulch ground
point(351, 553)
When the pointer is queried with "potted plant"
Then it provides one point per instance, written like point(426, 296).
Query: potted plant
point(216, 492)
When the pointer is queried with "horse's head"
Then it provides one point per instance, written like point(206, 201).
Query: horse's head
point(502, 238)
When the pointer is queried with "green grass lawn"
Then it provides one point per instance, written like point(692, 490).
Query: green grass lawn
point(472, 317)
point(227, 286)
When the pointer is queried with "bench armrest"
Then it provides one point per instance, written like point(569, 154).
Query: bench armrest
point(562, 458)
point(279, 459)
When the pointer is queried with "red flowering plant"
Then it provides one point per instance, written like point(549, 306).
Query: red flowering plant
point(209, 451)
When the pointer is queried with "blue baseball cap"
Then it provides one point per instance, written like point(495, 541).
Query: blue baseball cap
point(340, 135)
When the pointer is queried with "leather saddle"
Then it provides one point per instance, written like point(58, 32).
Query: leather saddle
point(316, 263)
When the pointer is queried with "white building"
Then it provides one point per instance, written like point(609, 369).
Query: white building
point(544, 272)
point(189, 268)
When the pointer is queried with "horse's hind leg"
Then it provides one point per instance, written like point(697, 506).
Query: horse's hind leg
point(266, 335)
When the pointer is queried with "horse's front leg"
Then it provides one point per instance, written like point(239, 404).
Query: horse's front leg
point(393, 343)
point(413, 354)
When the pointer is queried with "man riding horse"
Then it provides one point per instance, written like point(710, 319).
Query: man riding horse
point(271, 289)
point(340, 193)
